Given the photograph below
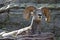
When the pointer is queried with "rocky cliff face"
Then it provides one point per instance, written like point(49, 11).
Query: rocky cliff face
point(15, 18)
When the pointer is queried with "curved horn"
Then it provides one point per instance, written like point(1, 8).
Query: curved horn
point(46, 13)
point(27, 12)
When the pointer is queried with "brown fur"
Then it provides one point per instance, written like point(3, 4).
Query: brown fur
point(46, 13)
point(37, 21)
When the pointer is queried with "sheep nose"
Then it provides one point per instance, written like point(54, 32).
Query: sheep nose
point(39, 15)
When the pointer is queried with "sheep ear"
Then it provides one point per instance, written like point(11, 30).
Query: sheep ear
point(27, 12)
point(46, 12)
point(45, 19)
